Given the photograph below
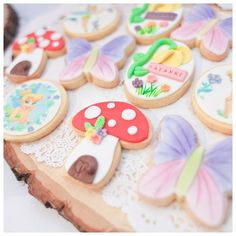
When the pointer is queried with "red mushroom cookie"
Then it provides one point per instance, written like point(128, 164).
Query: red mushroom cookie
point(106, 127)
point(50, 41)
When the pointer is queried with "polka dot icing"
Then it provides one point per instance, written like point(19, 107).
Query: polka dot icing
point(55, 36)
point(55, 44)
point(128, 114)
point(132, 130)
point(111, 105)
point(92, 112)
point(40, 39)
point(40, 32)
point(22, 40)
point(111, 123)
point(44, 43)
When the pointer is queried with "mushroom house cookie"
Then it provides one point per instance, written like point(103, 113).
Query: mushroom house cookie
point(159, 74)
point(86, 63)
point(33, 109)
point(92, 22)
point(212, 98)
point(106, 127)
point(204, 29)
point(52, 42)
point(150, 22)
point(183, 171)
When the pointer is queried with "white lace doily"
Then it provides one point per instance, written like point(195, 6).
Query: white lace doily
point(121, 191)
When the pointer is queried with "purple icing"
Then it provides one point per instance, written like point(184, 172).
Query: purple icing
point(115, 48)
point(214, 78)
point(177, 140)
point(137, 27)
point(137, 83)
point(219, 162)
point(226, 25)
point(200, 12)
point(170, 16)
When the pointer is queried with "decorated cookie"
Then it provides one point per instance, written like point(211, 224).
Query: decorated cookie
point(33, 109)
point(212, 98)
point(27, 66)
point(86, 63)
point(204, 29)
point(92, 22)
point(51, 42)
point(183, 171)
point(150, 22)
point(106, 127)
point(159, 74)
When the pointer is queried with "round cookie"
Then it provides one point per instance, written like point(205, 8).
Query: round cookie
point(212, 98)
point(106, 127)
point(92, 22)
point(150, 22)
point(33, 109)
point(52, 42)
point(159, 74)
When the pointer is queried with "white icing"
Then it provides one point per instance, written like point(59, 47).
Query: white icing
point(92, 112)
point(104, 17)
point(55, 44)
point(128, 114)
point(34, 57)
point(52, 111)
point(55, 36)
point(40, 32)
point(40, 39)
point(174, 85)
point(132, 130)
point(214, 101)
point(103, 153)
point(44, 43)
point(22, 40)
point(111, 105)
point(111, 123)
point(161, 30)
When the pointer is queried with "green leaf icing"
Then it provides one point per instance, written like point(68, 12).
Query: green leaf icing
point(100, 122)
point(87, 125)
point(136, 14)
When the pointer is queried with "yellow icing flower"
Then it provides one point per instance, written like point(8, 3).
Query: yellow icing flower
point(164, 7)
point(90, 133)
point(174, 58)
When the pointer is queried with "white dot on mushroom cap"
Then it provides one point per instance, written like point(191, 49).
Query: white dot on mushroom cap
point(132, 130)
point(111, 105)
point(128, 114)
point(92, 112)
point(40, 39)
point(55, 44)
point(111, 123)
point(22, 40)
point(40, 32)
point(44, 43)
point(55, 36)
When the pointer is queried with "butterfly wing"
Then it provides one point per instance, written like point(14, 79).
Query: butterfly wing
point(177, 140)
point(207, 199)
point(118, 48)
point(226, 26)
point(77, 48)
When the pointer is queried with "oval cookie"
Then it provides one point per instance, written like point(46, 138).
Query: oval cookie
point(33, 109)
point(212, 98)
point(159, 74)
point(150, 22)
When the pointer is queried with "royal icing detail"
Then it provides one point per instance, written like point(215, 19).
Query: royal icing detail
point(132, 130)
point(160, 70)
point(213, 94)
point(91, 19)
point(92, 112)
point(30, 107)
point(111, 105)
point(203, 27)
point(111, 123)
point(152, 20)
point(128, 114)
point(46, 39)
point(185, 172)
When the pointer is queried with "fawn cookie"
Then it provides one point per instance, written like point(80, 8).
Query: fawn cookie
point(27, 66)
point(92, 22)
point(106, 127)
point(159, 74)
point(203, 28)
point(33, 109)
point(52, 42)
point(212, 98)
point(86, 63)
point(183, 171)
point(150, 22)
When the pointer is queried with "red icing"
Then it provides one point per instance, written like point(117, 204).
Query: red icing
point(120, 130)
point(46, 36)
